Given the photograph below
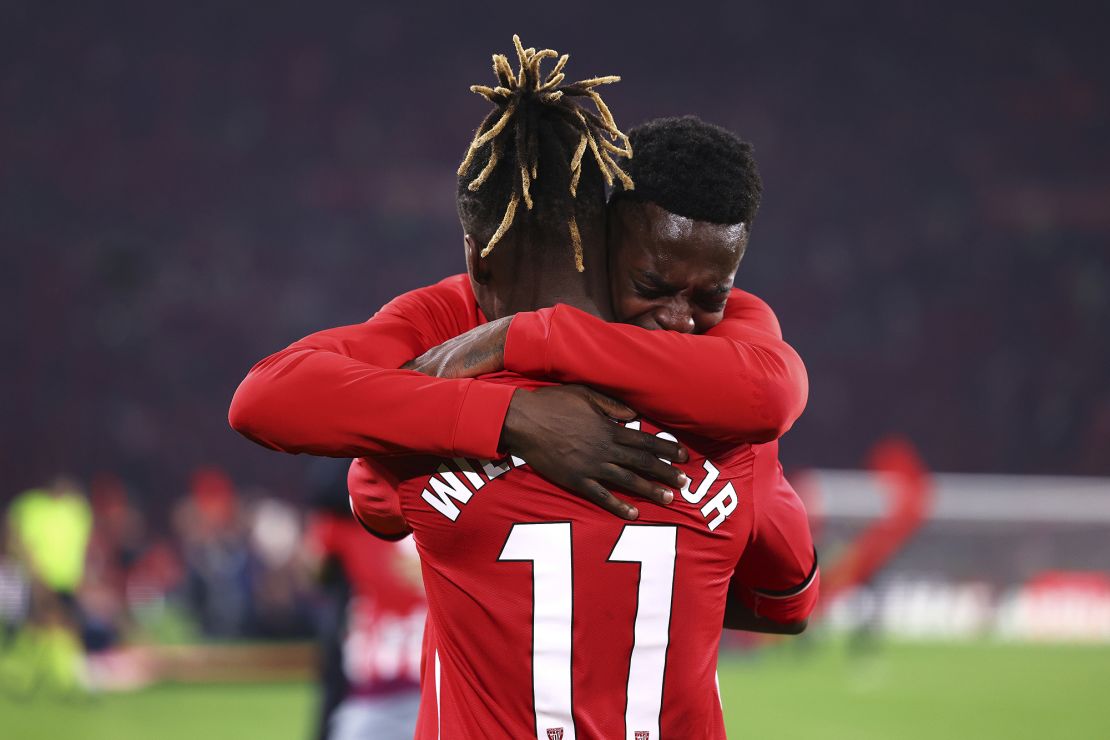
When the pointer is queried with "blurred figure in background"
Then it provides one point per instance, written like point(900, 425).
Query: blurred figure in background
point(908, 491)
point(371, 622)
point(48, 534)
point(117, 541)
point(217, 559)
point(279, 607)
point(327, 504)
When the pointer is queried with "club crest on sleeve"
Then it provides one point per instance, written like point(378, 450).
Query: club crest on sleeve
point(643, 734)
point(554, 733)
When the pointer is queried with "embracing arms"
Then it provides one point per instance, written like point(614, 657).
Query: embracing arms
point(342, 393)
point(739, 382)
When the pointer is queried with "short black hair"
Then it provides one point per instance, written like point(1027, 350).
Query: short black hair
point(539, 158)
point(693, 169)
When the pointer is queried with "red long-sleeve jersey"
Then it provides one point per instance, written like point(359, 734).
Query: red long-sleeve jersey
point(757, 394)
point(549, 617)
point(340, 393)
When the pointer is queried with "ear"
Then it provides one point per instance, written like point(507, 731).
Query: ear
point(476, 264)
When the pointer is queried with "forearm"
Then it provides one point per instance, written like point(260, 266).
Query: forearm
point(321, 403)
point(340, 393)
point(473, 353)
point(748, 388)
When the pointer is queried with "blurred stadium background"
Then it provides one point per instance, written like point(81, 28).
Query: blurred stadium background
point(186, 189)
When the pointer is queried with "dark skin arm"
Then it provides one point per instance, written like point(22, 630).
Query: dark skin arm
point(477, 352)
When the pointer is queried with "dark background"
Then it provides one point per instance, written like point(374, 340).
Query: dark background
point(185, 190)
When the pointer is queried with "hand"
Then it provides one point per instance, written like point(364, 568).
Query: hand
point(477, 352)
point(566, 434)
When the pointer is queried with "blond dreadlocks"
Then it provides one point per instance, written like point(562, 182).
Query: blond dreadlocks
point(514, 128)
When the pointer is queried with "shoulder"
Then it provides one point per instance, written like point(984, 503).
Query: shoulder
point(448, 305)
point(452, 293)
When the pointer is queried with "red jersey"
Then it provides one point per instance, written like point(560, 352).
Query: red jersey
point(552, 618)
point(339, 392)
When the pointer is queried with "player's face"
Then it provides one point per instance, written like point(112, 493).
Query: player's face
point(671, 272)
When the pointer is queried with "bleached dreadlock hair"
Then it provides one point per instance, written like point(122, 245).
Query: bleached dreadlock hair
point(531, 149)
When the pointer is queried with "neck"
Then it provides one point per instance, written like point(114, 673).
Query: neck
point(580, 290)
point(541, 278)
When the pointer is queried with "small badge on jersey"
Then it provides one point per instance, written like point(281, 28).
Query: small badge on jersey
point(643, 734)
point(554, 733)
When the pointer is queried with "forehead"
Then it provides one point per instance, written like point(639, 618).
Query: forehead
point(650, 234)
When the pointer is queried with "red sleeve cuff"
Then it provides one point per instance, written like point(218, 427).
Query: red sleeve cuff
point(375, 502)
point(390, 528)
point(526, 342)
point(481, 416)
point(785, 608)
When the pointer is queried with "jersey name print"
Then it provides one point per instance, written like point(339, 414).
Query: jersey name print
point(455, 482)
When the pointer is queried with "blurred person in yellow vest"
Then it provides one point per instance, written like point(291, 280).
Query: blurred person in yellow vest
point(49, 530)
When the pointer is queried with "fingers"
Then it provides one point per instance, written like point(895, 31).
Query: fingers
point(629, 482)
point(611, 407)
point(593, 491)
point(657, 446)
point(648, 465)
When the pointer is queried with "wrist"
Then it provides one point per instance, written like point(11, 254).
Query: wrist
point(498, 337)
point(512, 426)
point(526, 343)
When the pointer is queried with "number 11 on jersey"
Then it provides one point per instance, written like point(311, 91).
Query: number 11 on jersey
point(547, 545)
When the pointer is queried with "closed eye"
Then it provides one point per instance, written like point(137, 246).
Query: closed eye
point(715, 300)
point(651, 291)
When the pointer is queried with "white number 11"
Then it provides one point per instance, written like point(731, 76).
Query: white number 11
point(547, 546)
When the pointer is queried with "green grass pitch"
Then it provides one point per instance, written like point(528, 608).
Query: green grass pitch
point(812, 690)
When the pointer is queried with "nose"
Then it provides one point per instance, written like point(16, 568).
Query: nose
point(676, 316)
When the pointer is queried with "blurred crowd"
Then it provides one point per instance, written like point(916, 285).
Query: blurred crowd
point(93, 598)
point(85, 571)
point(186, 190)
